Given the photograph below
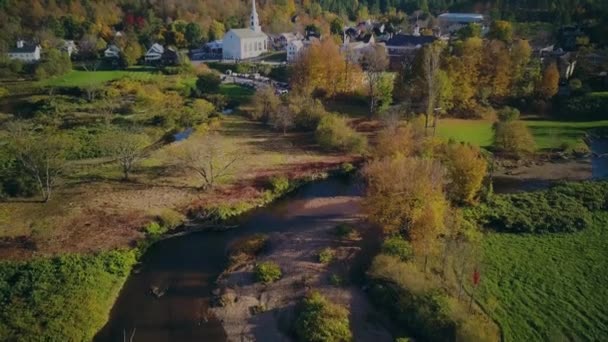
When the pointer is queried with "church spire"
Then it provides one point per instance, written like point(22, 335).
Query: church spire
point(254, 23)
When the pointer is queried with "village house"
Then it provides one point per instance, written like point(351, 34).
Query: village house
point(355, 50)
point(293, 50)
point(247, 42)
point(69, 47)
point(283, 40)
point(112, 52)
point(154, 54)
point(403, 46)
point(452, 22)
point(28, 53)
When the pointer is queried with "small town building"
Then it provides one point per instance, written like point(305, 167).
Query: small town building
point(69, 47)
point(247, 42)
point(452, 22)
point(404, 46)
point(112, 51)
point(154, 54)
point(293, 50)
point(355, 50)
point(28, 53)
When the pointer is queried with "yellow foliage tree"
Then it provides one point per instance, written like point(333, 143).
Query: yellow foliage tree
point(466, 171)
point(550, 81)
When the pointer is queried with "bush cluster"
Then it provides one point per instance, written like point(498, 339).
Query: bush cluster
point(420, 306)
point(398, 247)
point(564, 208)
point(333, 133)
point(587, 107)
point(65, 298)
point(320, 320)
point(267, 272)
point(326, 255)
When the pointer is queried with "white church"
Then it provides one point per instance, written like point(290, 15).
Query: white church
point(247, 42)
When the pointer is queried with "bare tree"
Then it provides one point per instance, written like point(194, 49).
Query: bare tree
point(208, 156)
point(43, 155)
point(283, 118)
point(374, 63)
point(125, 147)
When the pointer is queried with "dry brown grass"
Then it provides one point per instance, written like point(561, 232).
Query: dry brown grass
point(94, 210)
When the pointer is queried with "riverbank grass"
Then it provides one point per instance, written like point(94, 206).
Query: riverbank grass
point(80, 78)
point(66, 298)
point(548, 287)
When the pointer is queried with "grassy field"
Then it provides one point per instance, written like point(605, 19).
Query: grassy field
point(79, 78)
point(548, 134)
point(548, 287)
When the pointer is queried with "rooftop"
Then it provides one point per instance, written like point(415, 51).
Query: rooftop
point(247, 33)
point(24, 49)
point(405, 40)
point(461, 17)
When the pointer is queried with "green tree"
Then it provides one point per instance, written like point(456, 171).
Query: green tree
point(469, 31)
point(337, 26)
point(216, 30)
point(193, 34)
point(54, 64)
point(131, 53)
point(208, 83)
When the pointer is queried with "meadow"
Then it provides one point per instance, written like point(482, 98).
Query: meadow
point(549, 287)
point(548, 134)
point(80, 78)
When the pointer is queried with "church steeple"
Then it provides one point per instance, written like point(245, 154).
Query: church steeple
point(254, 22)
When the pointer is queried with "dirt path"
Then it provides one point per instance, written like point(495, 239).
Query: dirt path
point(297, 254)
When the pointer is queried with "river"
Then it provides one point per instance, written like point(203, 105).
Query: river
point(188, 265)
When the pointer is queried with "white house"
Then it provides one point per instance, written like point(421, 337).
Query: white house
point(247, 42)
point(155, 53)
point(112, 51)
point(69, 47)
point(24, 52)
point(293, 50)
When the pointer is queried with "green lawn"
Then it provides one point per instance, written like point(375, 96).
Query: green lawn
point(548, 134)
point(236, 92)
point(79, 78)
point(548, 287)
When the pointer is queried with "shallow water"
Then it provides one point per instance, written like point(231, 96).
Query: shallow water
point(187, 266)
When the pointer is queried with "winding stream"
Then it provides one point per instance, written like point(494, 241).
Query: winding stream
point(186, 266)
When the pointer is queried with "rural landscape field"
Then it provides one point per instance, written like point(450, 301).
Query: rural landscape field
point(303, 171)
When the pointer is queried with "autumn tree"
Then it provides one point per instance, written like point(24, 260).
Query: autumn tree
point(265, 103)
point(550, 81)
point(126, 148)
point(496, 70)
point(400, 141)
point(466, 169)
point(405, 196)
point(374, 62)
point(430, 68)
point(131, 53)
point(514, 138)
point(209, 156)
point(43, 155)
point(463, 69)
point(501, 30)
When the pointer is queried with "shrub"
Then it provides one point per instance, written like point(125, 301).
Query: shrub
point(587, 107)
point(279, 184)
point(170, 219)
point(333, 133)
point(326, 255)
point(321, 321)
point(418, 304)
point(336, 280)
point(249, 245)
point(347, 168)
point(514, 138)
point(208, 83)
point(267, 272)
point(343, 230)
point(155, 229)
point(398, 247)
point(560, 209)
point(508, 114)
